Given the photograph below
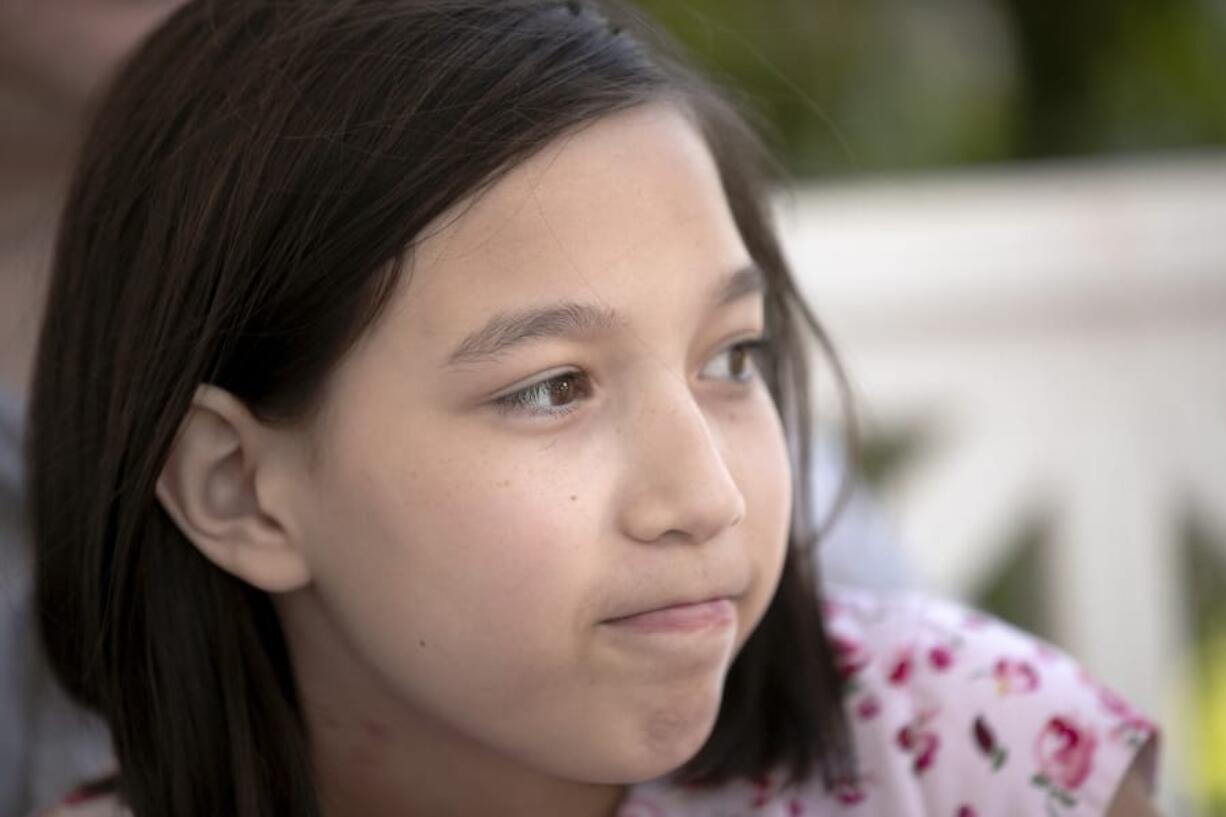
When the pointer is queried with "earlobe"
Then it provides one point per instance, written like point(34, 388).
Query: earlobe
point(209, 488)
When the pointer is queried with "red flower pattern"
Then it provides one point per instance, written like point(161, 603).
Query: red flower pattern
point(900, 667)
point(1064, 750)
point(1015, 676)
point(920, 741)
point(985, 739)
point(849, 656)
point(941, 657)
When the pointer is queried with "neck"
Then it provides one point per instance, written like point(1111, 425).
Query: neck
point(376, 755)
point(370, 769)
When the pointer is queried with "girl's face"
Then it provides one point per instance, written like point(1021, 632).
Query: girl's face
point(551, 428)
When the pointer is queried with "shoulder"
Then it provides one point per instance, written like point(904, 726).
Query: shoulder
point(953, 713)
point(974, 716)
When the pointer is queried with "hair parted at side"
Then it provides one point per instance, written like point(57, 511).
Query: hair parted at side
point(245, 199)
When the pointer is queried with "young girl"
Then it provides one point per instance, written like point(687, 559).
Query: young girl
point(410, 436)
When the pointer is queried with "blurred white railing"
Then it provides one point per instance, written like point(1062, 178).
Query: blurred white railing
point(1064, 327)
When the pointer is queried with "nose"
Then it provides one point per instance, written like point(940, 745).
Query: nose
point(676, 480)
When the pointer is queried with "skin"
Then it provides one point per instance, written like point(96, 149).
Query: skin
point(446, 571)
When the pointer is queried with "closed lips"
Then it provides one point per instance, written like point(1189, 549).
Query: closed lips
point(670, 605)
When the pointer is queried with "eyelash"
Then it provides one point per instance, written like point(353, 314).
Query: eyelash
point(521, 402)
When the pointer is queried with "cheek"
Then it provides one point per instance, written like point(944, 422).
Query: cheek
point(506, 542)
point(759, 458)
point(767, 466)
point(461, 547)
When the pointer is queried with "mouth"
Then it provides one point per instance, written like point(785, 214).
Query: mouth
point(710, 614)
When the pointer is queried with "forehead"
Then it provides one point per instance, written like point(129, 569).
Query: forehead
point(629, 205)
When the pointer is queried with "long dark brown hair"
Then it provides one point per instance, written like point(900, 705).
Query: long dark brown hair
point(244, 201)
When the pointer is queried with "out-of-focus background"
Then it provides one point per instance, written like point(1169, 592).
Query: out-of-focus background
point(1011, 215)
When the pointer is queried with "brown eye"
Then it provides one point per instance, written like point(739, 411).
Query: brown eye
point(561, 390)
point(556, 396)
point(740, 360)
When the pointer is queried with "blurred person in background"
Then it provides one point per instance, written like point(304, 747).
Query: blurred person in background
point(53, 57)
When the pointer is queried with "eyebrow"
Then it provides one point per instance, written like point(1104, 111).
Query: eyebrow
point(569, 319)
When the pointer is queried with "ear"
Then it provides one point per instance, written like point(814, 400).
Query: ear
point(211, 487)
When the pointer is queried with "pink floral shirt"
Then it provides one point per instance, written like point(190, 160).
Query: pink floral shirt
point(954, 714)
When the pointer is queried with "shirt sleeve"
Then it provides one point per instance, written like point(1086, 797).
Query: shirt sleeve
point(971, 717)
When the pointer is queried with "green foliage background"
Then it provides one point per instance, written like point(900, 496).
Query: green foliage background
point(888, 85)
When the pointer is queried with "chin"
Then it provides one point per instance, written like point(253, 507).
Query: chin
point(665, 741)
